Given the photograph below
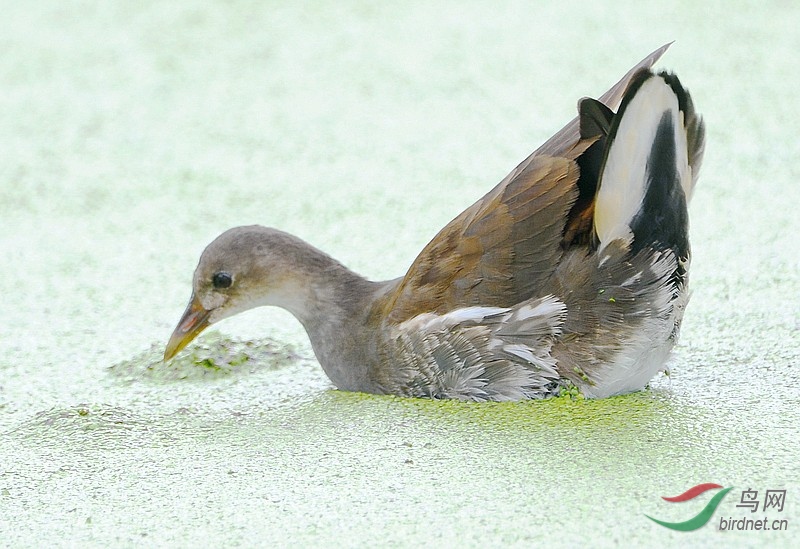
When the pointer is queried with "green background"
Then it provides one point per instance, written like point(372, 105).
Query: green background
point(132, 133)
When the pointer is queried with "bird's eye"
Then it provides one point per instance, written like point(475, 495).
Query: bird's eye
point(222, 280)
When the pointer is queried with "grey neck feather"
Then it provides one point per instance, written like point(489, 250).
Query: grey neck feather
point(334, 311)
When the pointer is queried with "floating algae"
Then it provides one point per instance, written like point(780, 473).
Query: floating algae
point(212, 356)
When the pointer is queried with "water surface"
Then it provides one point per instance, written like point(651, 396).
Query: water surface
point(133, 134)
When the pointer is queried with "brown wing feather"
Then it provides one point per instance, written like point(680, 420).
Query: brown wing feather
point(498, 251)
point(569, 134)
point(501, 249)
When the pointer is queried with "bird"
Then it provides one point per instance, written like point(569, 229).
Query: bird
point(571, 273)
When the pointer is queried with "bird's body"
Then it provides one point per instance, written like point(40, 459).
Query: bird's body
point(572, 271)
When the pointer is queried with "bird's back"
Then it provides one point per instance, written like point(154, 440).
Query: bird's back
point(572, 271)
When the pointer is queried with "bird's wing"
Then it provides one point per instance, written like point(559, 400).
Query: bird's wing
point(503, 247)
point(569, 134)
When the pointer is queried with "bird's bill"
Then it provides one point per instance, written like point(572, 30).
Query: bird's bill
point(193, 321)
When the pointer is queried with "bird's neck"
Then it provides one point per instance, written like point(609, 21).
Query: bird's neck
point(334, 305)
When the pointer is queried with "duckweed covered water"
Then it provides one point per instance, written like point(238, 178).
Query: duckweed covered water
point(134, 133)
point(211, 356)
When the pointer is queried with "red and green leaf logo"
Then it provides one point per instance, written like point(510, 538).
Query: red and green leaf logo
point(703, 516)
